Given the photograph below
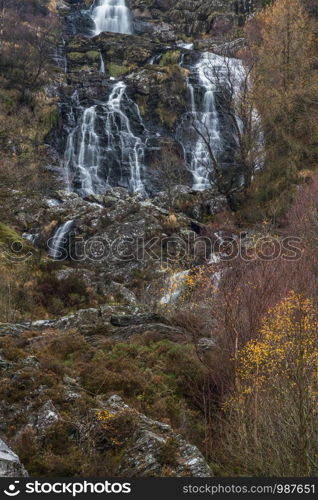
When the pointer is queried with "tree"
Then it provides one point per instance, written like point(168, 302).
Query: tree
point(282, 48)
point(28, 38)
point(273, 411)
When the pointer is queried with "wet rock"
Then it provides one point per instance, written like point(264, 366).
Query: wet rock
point(206, 344)
point(157, 332)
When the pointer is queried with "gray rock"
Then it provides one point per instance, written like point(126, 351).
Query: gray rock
point(123, 292)
point(205, 344)
point(153, 446)
point(46, 417)
point(10, 465)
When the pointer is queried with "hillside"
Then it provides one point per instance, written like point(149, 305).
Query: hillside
point(158, 236)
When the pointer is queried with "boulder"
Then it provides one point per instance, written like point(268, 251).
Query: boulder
point(154, 449)
point(10, 465)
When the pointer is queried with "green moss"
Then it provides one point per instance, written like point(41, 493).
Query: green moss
point(8, 101)
point(185, 38)
point(167, 116)
point(75, 56)
point(171, 57)
point(142, 102)
point(90, 55)
point(93, 55)
point(74, 44)
point(119, 70)
point(8, 235)
point(49, 119)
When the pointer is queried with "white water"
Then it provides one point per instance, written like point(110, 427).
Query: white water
point(83, 155)
point(207, 74)
point(186, 46)
point(155, 59)
point(102, 64)
point(111, 15)
point(88, 149)
point(60, 55)
point(175, 286)
point(59, 240)
point(117, 125)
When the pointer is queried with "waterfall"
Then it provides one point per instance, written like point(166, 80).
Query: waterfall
point(200, 127)
point(155, 59)
point(118, 130)
point(102, 150)
point(102, 64)
point(111, 15)
point(175, 287)
point(83, 156)
point(60, 55)
point(59, 240)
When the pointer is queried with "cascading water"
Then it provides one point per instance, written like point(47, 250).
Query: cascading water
point(60, 55)
point(102, 64)
point(111, 15)
point(200, 128)
point(83, 156)
point(175, 286)
point(102, 149)
point(59, 240)
point(119, 133)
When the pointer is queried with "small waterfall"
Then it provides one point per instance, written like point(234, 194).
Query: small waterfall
point(60, 55)
point(59, 240)
point(102, 64)
point(186, 46)
point(175, 287)
point(200, 127)
point(155, 59)
point(112, 16)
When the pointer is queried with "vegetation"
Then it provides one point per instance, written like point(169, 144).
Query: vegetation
point(283, 50)
point(274, 402)
point(236, 372)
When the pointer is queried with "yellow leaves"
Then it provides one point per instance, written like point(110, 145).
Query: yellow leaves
point(104, 415)
point(286, 352)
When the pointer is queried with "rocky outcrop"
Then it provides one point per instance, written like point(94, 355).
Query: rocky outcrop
point(10, 465)
point(152, 448)
point(191, 17)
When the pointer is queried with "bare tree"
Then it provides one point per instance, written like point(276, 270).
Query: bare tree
point(28, 38)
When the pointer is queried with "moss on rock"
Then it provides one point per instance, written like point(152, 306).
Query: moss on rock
point(117, 70)
point(170, 57)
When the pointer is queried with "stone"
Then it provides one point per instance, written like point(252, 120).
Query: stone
point(10, 465)
point(153, 447)
point(46, 417)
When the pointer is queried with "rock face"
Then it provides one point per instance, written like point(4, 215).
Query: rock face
point(153, 449)
point(125, 95)
point(10, 465)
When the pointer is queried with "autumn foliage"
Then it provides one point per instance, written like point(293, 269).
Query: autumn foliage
point(273, 409)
